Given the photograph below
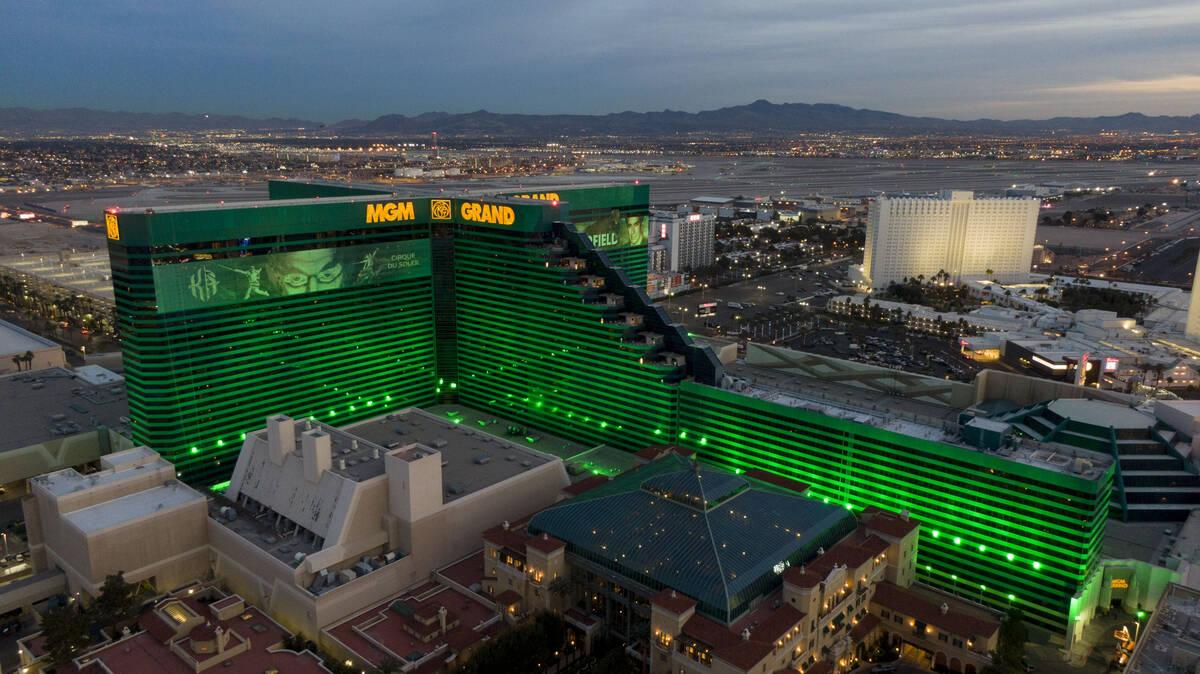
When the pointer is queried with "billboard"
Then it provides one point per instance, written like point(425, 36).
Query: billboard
point(204, 284)
point(616, 230)
point(612, 217)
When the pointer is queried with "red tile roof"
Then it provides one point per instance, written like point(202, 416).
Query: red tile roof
point(821, 667)
point(888, 523)
point(145, 652)
point(892, 596)
point(777, 624)
point(744, 654)
point(512, 537)
point(801, 577)
point(864, 627)
point(379, 632)
point(582, 618)
point(673, 601)
point(586, 484)
point(709, 632)
point(875, 545)
point(545, 543)
point(777, 480)
point(763, 626)
point(231, 600)
point(508, 598)
point(467, 571)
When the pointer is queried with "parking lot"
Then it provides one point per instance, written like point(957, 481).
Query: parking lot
point(756, 296)
point(916, 353)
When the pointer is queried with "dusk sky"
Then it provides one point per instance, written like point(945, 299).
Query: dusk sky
point(329, 61)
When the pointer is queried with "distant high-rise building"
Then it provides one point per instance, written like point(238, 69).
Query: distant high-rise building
point(689, 238)
point(965, 237)
point(1192, 329)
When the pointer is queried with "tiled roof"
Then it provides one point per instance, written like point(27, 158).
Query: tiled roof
point(822, 667)
point(744, 654)
point(508, 598)
point(896, 598)
point(673, 601)
point(511, 537)
point(801, 577)
point(712, 555)
point(777, 624)
point(709, 632)
point(887, 523)
point(777, 480)
point(545, 543)
point(585, 484)
point(864, 627)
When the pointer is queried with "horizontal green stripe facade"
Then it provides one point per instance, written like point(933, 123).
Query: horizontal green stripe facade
point(197, 380)
point(530, 347)
point(975, 509)
point(500, 324)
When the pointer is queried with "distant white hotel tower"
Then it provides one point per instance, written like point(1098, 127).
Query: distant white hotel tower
point(909, 237)
point(1192, 327)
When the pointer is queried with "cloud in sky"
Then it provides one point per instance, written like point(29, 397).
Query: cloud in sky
point(328, 61)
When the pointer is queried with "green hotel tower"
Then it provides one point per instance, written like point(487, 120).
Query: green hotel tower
point(344, 302)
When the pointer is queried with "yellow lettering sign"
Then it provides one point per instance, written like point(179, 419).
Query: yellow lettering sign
point(494, 214)
point(440, 209)
point(544, 196)
point(390, 212)
point(110, 223)
point(1120, 583)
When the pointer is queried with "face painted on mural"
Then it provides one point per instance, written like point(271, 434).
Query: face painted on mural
point(306, 271)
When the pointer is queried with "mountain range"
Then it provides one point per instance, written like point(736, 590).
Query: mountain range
point(760, 117)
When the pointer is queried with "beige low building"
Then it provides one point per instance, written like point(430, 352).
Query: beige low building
point(131, 516)
point(319, 522)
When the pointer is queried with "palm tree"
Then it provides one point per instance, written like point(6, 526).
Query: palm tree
point(17, 361)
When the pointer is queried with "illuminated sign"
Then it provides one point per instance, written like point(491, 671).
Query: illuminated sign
point(1120, 584)
point(110, 223)
point(202, 284)
point(707, 309)
point(616, 230)
point(493, 214)
point(544, 196)
point(440, 209)
point(390, 212)
point(1110, 364)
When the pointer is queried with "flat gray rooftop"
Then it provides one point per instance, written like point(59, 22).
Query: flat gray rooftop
point(1101, 413)
point(475, 454)
point(50, 404)
point(1170, 643)
point(582, 460)
point(132, 506)
point(914, 418)
point(15, 339)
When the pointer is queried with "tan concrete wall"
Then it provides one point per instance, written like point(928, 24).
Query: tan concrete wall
point(148, 477)
point(50, 356)
point(1024, 390)
point(361, 514)
point(251, 569)
point(170, 543)
point(455, 531)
